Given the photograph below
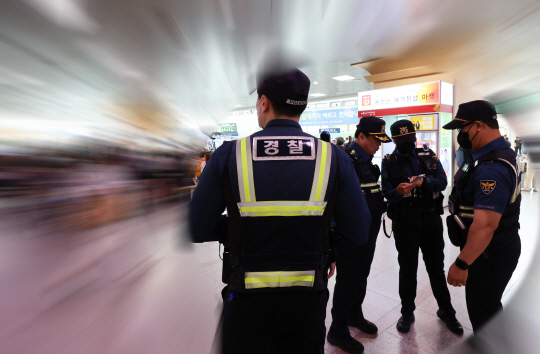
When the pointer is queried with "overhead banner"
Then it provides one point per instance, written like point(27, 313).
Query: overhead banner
point(335, 116)
point(409, 99)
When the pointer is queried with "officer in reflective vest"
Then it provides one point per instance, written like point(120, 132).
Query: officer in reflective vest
point(280, 187)
point(354, 262)
point(412, 181)
point(484, 206)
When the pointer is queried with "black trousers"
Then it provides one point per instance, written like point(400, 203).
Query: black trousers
point(275, 322)
point(353, 266)
point(426, 235)
point(488, 279)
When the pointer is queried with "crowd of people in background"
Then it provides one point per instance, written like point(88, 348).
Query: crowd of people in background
point(91, 186)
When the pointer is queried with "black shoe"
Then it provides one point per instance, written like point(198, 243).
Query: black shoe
point(404, 323)
point(363, 325)
point(450, 321)
point(347, 344)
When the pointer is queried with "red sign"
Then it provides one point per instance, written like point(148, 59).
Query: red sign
point(406, 110)
point(366, 100)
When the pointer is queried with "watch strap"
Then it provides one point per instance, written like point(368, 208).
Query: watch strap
point(461, 264)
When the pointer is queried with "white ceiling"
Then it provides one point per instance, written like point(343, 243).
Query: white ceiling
point(75, 59)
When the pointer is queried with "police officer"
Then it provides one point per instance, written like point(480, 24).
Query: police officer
point(354, 262)
point(281, 187)
point(484, 206)
point(412, 180)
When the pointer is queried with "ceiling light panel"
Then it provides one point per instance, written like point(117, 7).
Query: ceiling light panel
point(343, 78)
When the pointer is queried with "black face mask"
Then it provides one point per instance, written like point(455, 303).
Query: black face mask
point(406, 148)
point(464, 141)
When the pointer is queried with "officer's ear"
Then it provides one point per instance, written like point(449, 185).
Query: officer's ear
point(263, 103)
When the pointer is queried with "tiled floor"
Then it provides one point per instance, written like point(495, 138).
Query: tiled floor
point(382, 304)
point(146, 291)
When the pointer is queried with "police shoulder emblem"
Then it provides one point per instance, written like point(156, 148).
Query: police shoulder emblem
point(487, 186)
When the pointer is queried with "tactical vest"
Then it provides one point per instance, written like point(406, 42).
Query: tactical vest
point(421, 200)
point(368, 175)
point(462, 212)
point(277, 245)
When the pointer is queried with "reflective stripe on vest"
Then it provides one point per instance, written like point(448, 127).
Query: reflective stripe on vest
point(517, 172)
point(255, 280)
point(249, 206)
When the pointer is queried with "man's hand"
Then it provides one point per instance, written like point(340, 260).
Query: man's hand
point(405, 188)
point(456, 276)
point(332, 269)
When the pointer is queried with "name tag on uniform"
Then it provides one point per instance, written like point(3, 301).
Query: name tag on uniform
point(283, 148)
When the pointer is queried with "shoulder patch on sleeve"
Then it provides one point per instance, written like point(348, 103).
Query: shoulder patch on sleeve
point(487, 186)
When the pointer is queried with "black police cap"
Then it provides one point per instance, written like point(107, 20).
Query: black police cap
point(479, 110)
point(284, 85)
point(403, 131)
point(373, 126)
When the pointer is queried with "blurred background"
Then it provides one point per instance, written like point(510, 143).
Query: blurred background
point(108, 107)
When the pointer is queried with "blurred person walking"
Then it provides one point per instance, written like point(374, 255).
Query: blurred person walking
point(507, 140)
point(340, 142)
point(517, 145)
point(325, 136)
point(349, 141)
point(281, 187)
point(207, 156)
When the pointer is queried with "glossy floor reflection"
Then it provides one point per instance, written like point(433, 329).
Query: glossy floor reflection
point(382, 304)
point(130, 287)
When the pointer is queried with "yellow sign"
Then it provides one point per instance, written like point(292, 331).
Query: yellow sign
point(423, 122)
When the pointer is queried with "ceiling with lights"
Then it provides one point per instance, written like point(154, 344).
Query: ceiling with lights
point(95, 64)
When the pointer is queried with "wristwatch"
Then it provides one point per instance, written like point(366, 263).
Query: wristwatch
point(461, 264)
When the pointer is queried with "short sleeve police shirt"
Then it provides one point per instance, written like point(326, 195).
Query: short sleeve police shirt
point(492, 184)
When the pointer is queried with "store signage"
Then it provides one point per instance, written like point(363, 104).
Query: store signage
point(228, 128)
point(330, 130)
point(424, 122)
point(447, 93)
point(409, 99)
point(335, 116)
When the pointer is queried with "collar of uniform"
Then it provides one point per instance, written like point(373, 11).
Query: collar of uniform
point(283, 122)
point(497, 144)
point(363, 154)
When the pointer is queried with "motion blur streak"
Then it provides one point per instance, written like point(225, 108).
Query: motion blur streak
point(106, 105)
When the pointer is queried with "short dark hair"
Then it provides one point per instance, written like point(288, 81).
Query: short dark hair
point(357, 133)
point(284, 109)
point(340, 141)
point(493, 124)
